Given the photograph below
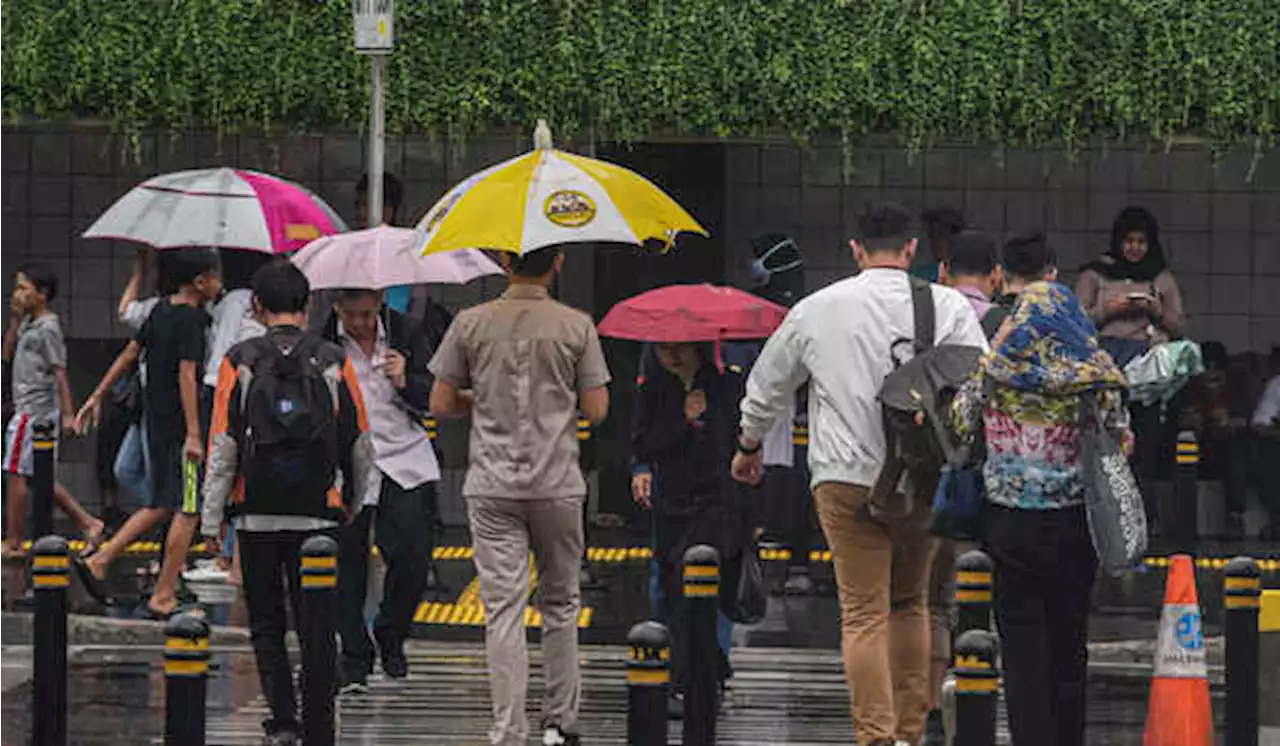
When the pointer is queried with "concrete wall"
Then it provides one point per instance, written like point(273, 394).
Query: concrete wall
point(1222, 231)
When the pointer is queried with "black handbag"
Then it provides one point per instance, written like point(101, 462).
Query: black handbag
point(749, 596)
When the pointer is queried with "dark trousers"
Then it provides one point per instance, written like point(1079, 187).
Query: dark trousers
point(404, 528)
point(789, 508)
point(1044, 572)
point(269, 563)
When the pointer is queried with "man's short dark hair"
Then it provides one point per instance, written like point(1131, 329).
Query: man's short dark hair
point(885, 227)
point(358, 294)
point(943, 221)
point(973, 254)
point(1028, 256)
point(43, 278)
point(535, 263)
point(392, 190)
point(182, 266)
point(280, 287)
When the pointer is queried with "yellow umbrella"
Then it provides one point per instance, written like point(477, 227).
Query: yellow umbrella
point(550, 197)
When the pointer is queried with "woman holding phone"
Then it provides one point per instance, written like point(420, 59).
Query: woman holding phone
point(1130, 292)
point(1133, 298)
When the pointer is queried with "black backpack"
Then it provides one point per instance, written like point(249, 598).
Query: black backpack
point(915, 400)
point(290, 437)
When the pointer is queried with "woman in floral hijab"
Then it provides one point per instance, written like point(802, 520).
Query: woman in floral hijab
point(1025, 400)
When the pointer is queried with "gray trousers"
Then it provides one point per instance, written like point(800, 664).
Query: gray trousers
point(503, 532)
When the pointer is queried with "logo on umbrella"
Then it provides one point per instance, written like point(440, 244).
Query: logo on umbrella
point(569, 209)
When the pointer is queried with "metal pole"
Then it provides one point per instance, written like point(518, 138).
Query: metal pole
point(648, 680)
point(377, 136)
point(186, 674)
point(1243, 596)
point(50, 574)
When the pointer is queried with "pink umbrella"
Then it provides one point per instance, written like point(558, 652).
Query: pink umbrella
point(379, 258)
point(219, 207)
point(692, 313)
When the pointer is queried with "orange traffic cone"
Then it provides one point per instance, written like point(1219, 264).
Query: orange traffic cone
point(1179, 713)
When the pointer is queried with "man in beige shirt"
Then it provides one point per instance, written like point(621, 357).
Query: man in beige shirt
point(522, 367)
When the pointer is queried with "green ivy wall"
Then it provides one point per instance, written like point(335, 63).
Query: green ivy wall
point(999, 72)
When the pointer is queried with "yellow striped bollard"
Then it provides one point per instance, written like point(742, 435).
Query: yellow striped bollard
point(186, 675)
point(43, 445)
point(50, 576)
point(648, 681)
point(700, 652)
point(317, 627)
point(1242, 598)
point(1178, 523)
point(977, 688)
point(973, 591)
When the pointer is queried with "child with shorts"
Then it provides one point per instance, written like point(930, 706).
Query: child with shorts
point(37, 355)
point(173, 338)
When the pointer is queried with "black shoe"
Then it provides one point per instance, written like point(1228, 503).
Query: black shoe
point(798, 582)
point(553, 736)
point(394, 663)
point(935, 733)
point(280, 735)
point(675, 706)
point(352, 684)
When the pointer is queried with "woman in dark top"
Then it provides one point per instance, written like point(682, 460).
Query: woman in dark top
point(683, 432)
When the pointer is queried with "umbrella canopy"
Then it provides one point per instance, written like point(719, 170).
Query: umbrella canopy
point(379, 258)
point(692, 313)
point(220, 207)
point(550, 197)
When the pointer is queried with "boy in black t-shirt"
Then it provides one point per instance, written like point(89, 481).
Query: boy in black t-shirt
point(173, 338)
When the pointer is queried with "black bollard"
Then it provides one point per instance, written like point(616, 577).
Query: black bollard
point(186, 676)
point(42, 458)
point(317, 625)
point(973, 591)
point(977, 688)
point(1180, 525)
point(648, 681)
point(1243, 602)
point(700, 653)
point(50, 576)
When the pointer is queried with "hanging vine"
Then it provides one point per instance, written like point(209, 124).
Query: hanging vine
point(1002, 72)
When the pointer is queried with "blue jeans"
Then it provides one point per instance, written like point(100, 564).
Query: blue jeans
point(658, 603)
point(133, 465)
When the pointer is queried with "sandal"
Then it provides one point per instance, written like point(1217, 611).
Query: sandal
point(91, 584)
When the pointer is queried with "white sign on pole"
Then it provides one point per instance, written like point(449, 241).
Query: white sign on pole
point(374, 25)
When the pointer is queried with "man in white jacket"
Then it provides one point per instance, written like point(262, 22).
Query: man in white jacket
point(839, 338)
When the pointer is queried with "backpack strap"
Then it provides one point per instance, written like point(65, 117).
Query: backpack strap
point(923, 313)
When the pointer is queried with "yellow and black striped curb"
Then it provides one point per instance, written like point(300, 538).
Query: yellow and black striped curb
point(613, 555)
point(468, 610)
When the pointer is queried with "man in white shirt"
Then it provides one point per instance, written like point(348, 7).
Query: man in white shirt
point(389, 353)
point(840, 338)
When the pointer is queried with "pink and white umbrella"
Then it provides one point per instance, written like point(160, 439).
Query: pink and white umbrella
point(379, 258)
point(219, 207)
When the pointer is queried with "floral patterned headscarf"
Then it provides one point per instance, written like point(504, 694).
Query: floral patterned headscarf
point(1051, 346)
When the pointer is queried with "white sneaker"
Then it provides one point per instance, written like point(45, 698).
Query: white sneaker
point(205, 571)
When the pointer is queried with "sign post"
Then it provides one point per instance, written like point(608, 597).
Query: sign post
point(374, 22)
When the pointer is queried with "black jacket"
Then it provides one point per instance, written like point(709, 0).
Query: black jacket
point(695, 500)
point(406, 336)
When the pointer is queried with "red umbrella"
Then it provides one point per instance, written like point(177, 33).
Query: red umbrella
point(692, 313)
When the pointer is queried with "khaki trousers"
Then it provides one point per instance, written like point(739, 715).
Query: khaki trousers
point(503, 532)
point(882, 577)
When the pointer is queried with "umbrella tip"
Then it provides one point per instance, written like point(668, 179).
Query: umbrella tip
point(542, 136)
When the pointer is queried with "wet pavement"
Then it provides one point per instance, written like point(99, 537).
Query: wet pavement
point(789, 686)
